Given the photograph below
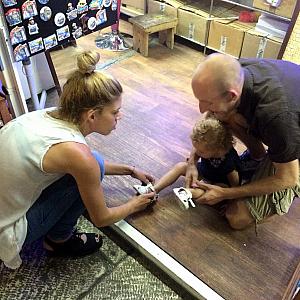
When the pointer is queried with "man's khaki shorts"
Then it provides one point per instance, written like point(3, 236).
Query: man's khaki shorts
point(279, 203)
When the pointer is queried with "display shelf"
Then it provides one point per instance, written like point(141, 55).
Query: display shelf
point(191, 40)
point(247, 5)
point(219, 51)
point(209, 7)
point(256, 9)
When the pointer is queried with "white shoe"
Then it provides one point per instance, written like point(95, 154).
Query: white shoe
point(184, 197)
point(145, 189)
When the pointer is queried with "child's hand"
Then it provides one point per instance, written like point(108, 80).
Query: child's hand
point(191, 176)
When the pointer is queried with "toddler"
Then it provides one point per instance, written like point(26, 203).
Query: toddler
point(219, 163)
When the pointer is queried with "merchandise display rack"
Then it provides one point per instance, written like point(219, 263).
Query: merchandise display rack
point(211, 18)
point(33, 27)
point(114, 40)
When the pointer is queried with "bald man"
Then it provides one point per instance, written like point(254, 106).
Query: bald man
point(259, 100)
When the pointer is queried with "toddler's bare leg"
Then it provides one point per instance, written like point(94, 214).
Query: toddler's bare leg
point(171, 176)
point(197, 193)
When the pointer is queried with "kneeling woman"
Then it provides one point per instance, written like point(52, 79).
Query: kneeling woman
point(52, 176)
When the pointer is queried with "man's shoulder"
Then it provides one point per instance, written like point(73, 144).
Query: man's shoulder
point(267, 64)
point(260, 62)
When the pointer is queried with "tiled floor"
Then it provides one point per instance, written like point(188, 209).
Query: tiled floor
point(111, 273)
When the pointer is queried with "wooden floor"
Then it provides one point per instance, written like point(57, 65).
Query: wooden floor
point(159, 111)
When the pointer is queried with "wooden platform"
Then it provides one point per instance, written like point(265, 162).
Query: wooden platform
point(159, 111)
point(147, 24)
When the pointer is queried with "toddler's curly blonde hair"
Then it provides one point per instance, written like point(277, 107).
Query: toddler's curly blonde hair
point(213, 133)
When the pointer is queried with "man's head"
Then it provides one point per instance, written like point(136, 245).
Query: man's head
point(217, 84)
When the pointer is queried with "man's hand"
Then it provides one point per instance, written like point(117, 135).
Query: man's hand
point(191, 176)
point(213, 193)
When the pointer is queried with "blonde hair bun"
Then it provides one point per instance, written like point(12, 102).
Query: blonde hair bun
point(87, 61)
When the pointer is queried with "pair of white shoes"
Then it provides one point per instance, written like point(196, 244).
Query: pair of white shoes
point(183, 195)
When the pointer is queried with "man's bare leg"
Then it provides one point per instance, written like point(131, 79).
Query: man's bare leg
point(238, 215)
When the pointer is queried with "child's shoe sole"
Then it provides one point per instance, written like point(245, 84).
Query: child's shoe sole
point(183, 197)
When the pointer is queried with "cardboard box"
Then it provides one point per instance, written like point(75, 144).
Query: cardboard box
point(260, 45)
point(168, 7)
point(192, 24)
point(227, 37)
point(193, 19)
point(139, 4)
point(285, 9)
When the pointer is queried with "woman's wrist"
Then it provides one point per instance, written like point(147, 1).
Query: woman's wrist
point(132, 170)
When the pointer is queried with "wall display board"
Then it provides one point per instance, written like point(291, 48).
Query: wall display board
point(36, 26)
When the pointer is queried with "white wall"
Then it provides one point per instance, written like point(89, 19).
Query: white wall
point(43, 77)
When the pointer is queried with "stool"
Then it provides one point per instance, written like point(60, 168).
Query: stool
point(144, 25)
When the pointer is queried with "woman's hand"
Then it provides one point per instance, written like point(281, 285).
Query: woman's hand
point(140, 175)
point(141, 202)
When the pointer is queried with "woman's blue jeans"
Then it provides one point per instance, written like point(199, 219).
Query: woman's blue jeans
point(56, 211)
